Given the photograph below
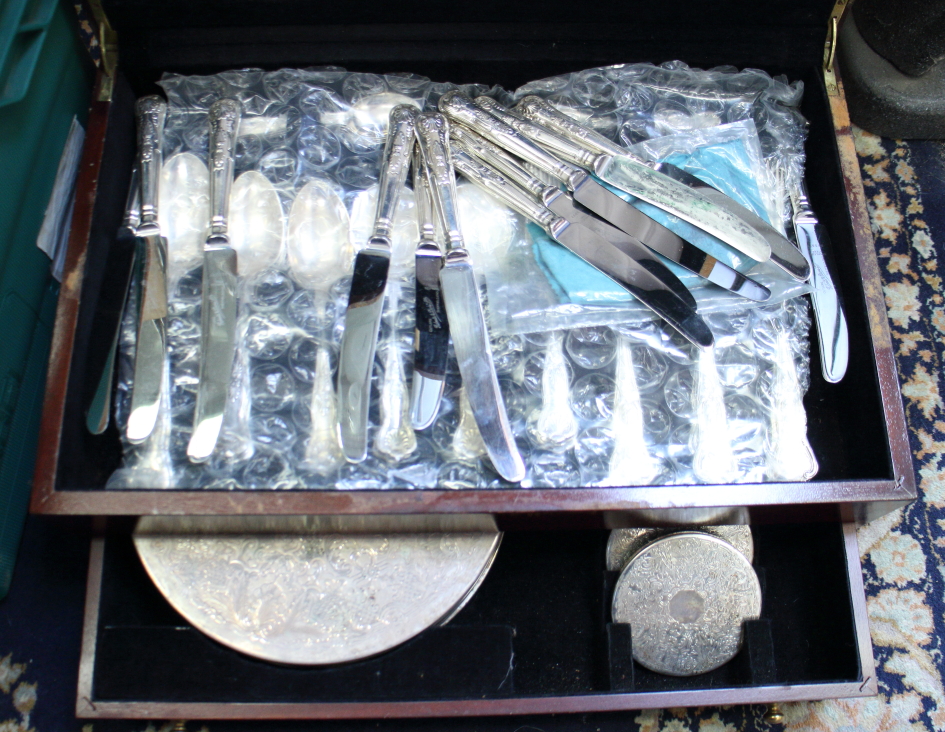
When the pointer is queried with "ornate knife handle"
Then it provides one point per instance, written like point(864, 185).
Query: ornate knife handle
point(133, 202)
point(150, 113)
point(421, 193)
point(224, 120)
point(433, 135)
point(459, 107)
point(542, 112)
point(499, 187)
point(551, 141)
point(497, 158)
point(394, 164)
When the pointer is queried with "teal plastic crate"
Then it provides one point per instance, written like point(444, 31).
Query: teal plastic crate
point(45, 81)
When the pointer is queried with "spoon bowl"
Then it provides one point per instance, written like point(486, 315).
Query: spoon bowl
point(184, 205)
point(318, 247)
point(256, 225)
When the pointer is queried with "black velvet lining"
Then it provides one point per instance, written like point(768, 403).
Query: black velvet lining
point(494, 42)
point(542, 602)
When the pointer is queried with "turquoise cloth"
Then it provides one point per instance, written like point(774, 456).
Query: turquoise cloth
point(725, 165)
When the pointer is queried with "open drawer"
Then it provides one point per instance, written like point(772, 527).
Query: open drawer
point(533, 639)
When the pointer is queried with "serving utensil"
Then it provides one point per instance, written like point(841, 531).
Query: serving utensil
point(554, 426)
point(185, 209)
point(828, 314)
point(631, 462)
point(787, 449)
point(712, 458)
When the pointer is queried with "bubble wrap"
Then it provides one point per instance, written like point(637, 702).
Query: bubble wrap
point(624, 404)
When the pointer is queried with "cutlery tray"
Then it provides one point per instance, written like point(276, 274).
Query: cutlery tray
point(856, 427)
point(535, 637)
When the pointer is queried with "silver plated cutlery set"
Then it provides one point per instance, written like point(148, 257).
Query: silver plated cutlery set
point(511, 154)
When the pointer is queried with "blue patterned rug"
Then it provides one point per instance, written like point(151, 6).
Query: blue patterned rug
point(40, 621)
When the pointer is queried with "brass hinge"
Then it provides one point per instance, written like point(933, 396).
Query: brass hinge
point(108, 47)
point(830, 45)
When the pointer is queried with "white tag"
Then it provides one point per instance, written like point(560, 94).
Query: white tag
point(54, 233)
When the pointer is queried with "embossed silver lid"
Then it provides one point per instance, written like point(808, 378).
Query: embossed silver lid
point(299, 592)
point(622, 544)
point(685, 597)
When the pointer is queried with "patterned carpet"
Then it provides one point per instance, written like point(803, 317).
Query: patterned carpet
point(902, 553)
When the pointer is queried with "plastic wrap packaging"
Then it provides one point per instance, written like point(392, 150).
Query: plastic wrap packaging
point(586, 384)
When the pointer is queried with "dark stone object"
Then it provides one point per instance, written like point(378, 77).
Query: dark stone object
point(910, 34)
point(884, 100)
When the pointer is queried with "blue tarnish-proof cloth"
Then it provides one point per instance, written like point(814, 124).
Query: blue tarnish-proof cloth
point(725, 165)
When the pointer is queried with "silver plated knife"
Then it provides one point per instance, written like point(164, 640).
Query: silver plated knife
point(637, 178)
point(432, 333)
point(110, 308)
point(831, 322)
point(783, 253)
point(604, 256)
point(369, 281)
point(150, 345)
point(657, 237)
point(464, 307)
point(219, 303)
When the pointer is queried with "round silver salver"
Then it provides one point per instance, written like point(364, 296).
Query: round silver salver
point(685, 597)
point(622, 544)
point(314, 597)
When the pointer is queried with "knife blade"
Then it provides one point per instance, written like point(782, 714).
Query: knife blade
point(218, 298)
point(464, 306)
point(150, 345)
point(366, 297)
point(632, 275)
point(110, 308)
point(630, 173)
point(828, 314)
point(432, 333)
point(783, 253)
point(655, 236)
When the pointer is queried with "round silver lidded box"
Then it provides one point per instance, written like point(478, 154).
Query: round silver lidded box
point(685, 596)
point(302, 590)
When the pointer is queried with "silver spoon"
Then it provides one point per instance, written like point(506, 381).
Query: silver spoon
point(319, 252)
